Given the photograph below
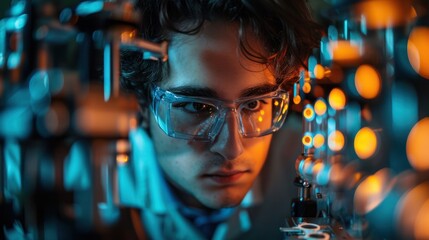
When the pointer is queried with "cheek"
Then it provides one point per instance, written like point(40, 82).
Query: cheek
point(259, 145)
point(258, 148)
point(175, 156)
point(168, 147)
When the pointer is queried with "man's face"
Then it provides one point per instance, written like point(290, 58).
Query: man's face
point(218, 173)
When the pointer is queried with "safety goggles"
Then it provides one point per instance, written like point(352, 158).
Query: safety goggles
point(201, 118)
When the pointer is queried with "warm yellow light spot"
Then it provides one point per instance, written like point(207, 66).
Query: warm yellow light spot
point(418, 145)
point(318, 140)
point(305, 167)
point(285, 109)
point(383, 13)
point(122, 146)
point(297, 99)
point(367, 195)
point(336, 141)
point(421, 229)
point(276, 103)
point(307, 140)
point(306, 88)
point(319, 71)
point(367, 82)
point(357, 176)
point(365, 143)
point(308, 113)
point(262, 112)
point(320, 107)
point(418, 49)
point(337, 99)
point(372, 191)
point(307, 77)
point(344, 51)
point(122, 158)
point(318, 166)
point(260, 119)
point(412, 212)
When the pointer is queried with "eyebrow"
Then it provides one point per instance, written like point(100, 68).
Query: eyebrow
point(258, 90)
point(192, 91)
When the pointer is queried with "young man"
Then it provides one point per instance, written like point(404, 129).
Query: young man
point(209, 112)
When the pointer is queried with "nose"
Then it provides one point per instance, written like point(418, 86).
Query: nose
point(228, 142)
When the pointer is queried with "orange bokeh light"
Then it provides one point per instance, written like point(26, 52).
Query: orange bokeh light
point(421, 230)
point(371, 191)
point(418, 145)
point(320, 107)
point(418, 50)
point(336, 141)
point(318, 140)
point(367, 82)
point(122, 158)
point(307, 140)
point(384, 13)
point(297, 99)
point(337, 99)
point(306, 88)
point(412, 212)
point(308, 113)
point(344, 51)
point(319, 71)
point(365, 143)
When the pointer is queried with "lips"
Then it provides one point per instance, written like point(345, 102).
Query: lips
point(225, 177)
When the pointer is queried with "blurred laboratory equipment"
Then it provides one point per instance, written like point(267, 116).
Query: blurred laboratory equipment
point(363, 172)
point(64, 120)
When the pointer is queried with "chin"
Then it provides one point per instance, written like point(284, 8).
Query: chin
point(218, 202)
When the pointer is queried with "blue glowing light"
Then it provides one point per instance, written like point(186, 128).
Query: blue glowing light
point(2, 43)
point(326, 52)
point(39, 85)
point(20, 21)
point(390, 42)
point(18, 7)
point(346, 29)
point(363, 27)
point(332, 33)
point(14, 60)
point(86, 8)
point(76, 170)
point(12, 162)
point(107, 72)
point(404, 108)
point(312, 62)
point(15, 122)
point(332, 125)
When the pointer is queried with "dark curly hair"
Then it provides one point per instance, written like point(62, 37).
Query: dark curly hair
point(284, 27)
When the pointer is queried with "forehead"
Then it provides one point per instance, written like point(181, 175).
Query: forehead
point(212, 59)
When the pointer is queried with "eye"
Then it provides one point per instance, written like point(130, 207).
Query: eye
point(253, 105)
point(196, 107)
